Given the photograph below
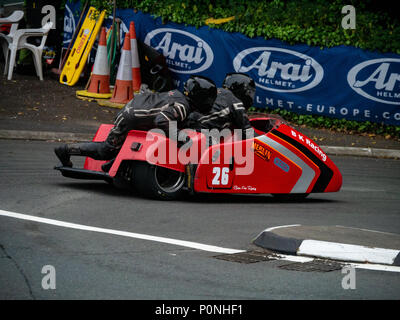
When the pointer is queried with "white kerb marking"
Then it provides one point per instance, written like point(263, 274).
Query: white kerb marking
point(347, 252)
point(278, 227)
point(281, 227)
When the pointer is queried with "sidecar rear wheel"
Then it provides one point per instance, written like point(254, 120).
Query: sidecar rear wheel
point(158, 182)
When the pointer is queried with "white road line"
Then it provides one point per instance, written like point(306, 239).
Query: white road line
point(188, 244)
point(182, 243)
point(374, 267)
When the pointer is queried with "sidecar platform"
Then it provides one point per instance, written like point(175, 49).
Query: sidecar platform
point(78, 173)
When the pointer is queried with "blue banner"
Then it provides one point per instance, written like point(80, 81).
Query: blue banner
point(340, 82)
point(71, 19)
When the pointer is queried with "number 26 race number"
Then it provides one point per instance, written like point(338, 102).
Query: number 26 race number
point(221, 176)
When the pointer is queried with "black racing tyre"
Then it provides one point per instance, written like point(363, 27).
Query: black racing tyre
point(290, 196)
point(122, 179)
point(157, 182)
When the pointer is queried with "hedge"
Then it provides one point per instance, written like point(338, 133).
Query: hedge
point(313, 22)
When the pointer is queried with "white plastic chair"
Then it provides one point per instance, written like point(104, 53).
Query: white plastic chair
point(19, 42)
point(14, 20)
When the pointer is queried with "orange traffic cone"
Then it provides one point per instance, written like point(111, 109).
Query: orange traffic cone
point(123, 92)
point(100, 82)
point(136, 78)
point(99, 85)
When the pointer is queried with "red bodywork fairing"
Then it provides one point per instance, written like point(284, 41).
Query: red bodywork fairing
point(285, 161)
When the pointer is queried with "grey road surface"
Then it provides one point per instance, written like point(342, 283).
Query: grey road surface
point(92, 265)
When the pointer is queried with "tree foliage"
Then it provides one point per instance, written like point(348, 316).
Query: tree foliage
point(313, 22)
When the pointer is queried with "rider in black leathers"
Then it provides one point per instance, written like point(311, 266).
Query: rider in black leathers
point(146, 111)
point(230, 107)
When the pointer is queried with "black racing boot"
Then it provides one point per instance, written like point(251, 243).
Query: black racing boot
point(107, 166)
point(95, 150)
point(62, 154)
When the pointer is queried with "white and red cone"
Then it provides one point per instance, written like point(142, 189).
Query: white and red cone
point(100, 79)
point(123, 90)
point(136, 77)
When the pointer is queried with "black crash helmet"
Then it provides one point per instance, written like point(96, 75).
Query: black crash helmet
point(242, 86)
point(201, 92)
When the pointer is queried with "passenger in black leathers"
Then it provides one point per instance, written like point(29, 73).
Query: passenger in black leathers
point(230, 107)
point(146, 111)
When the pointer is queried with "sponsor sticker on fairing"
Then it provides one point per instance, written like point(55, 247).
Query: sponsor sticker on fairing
point(281, 164)
point(261, 151)
point(310, 143)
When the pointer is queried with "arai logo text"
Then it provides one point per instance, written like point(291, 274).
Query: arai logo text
point(279, 70)
point(184, 52)
point(377, 80)
point(69, 23)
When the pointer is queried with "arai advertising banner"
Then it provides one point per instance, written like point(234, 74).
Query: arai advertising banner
point(341, 82)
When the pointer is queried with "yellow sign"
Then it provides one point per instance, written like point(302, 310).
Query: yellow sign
point(83, 45)
point(219, 21)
